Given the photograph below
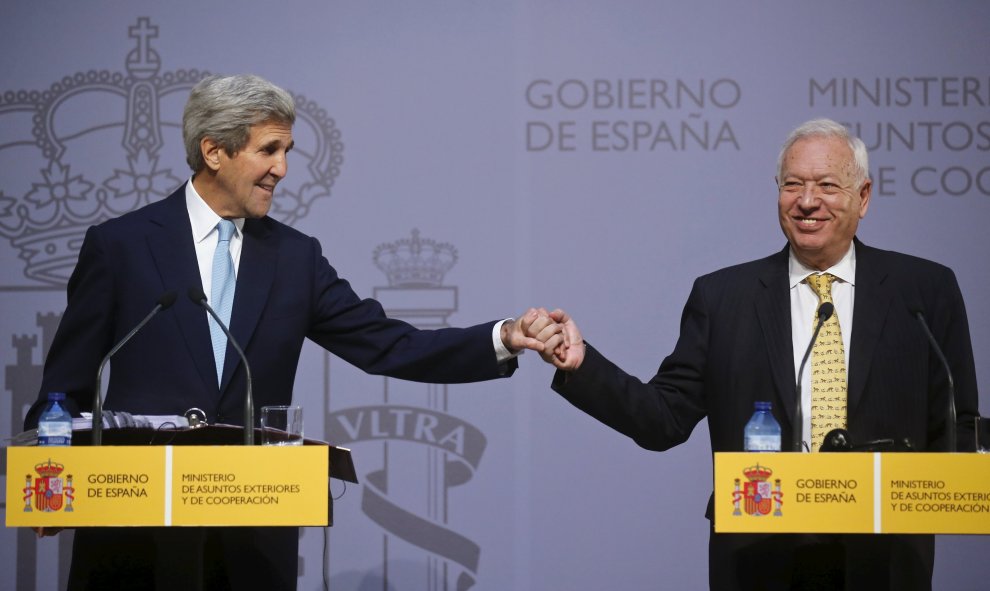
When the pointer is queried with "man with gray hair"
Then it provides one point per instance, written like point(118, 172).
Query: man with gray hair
point(275, 289)
point(744, 332)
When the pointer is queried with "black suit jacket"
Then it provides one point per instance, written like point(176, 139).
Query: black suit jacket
point(735, 348)
point(286, 292)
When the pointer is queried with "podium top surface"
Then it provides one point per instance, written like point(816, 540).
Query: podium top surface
point(341, 462)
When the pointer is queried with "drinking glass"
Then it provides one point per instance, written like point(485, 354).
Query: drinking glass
point(983, 435)
point(281, 425)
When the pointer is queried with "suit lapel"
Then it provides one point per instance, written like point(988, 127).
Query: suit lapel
point(773, 308)
point(170, 242)
point(873, 296)
point(255, 275)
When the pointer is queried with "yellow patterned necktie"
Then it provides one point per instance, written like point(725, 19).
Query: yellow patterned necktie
point(828, 369)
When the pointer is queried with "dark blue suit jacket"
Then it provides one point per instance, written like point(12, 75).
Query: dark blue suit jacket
point(286, 292)
point(735, 348)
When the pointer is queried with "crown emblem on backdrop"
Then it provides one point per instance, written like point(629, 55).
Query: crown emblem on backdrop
point(758, 473)
point(49, 469)
point(415, 262)
point(98, 144)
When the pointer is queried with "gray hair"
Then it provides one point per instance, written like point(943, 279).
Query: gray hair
point(224, 108)
point(829, 129)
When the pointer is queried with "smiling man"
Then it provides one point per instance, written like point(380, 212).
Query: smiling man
point(824, 192)
point(743, 334)
point(276, 289)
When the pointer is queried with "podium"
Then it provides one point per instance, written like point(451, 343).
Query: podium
point(878, 493)
point(173, 477)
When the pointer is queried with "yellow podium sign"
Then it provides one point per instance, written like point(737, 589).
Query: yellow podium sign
point(166, 486)
point(787, 493)
point(936, 493)
point(74, 487)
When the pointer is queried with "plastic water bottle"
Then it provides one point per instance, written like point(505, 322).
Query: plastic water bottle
point(55, 426)
point(762, 432)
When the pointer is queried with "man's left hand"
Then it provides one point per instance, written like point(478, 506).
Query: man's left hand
point(547, 334)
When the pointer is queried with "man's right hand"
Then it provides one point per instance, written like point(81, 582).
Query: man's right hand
point(569, 354)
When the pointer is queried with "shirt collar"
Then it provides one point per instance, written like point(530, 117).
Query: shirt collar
point(203, 219)
point(844, 270)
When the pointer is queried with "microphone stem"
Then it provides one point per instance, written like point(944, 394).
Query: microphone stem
point(249, 400)
point(797, 440)
point(951, 422)
point(97, 427)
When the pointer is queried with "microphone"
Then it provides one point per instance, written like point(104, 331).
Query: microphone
point(837, 440)
point(841, 440)
point(950, 427)
point(825, 312)
point(199, 298)
point(164, 302)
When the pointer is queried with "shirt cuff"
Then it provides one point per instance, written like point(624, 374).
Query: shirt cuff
point(501, 353)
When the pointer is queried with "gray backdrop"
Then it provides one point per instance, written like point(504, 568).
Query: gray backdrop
point(591, 155)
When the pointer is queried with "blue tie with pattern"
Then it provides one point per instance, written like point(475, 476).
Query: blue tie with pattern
point(222, 292)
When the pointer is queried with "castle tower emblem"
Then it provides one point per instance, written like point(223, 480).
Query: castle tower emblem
point(415, 427)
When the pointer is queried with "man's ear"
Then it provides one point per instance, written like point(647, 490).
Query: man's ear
point(865, 192)
point(211, 153)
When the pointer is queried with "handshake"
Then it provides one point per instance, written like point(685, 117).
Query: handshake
point(554, 335)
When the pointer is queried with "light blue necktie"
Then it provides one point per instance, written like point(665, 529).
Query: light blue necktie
point(222, 292)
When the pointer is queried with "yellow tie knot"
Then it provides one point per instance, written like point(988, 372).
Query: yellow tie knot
point(822, 284)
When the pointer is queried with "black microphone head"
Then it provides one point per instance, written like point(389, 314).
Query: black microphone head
point(912, 301)
point(168, 298)
point(196, 295)
point(837, 440)
point(825, 311)
point(917, 311)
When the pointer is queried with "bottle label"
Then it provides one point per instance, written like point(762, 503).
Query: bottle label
point(54, 440)
point(762, 443)
point(55, 433)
